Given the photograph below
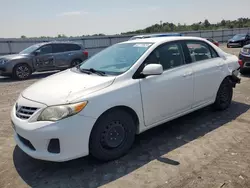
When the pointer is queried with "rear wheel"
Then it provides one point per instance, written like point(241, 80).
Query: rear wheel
point(224, 95)
point(113, 135)
point(21, 71)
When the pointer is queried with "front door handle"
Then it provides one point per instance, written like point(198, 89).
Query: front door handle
point(187, 74)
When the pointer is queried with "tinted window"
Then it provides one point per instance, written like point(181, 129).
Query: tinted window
point(57, 48)
point(239, 37)
point(214, 53)
point(30, 49)
point(168, 55)
point(73, 47)
point(45, 50)
point(199, 51)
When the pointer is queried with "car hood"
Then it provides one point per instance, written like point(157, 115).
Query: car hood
point(65, 87)
point(247, 46)
point(14, 56)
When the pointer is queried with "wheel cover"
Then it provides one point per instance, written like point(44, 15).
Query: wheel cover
point(22, 71)
point(225, 96)
point(114, 135)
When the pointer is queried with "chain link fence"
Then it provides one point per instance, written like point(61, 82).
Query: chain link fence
point(96, 44)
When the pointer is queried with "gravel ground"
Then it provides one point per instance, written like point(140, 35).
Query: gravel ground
point(202, 149)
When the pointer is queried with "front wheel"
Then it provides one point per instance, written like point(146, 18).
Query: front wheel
point(242, 71)
point(112, 135)
point(21, 71)
point(224, 95)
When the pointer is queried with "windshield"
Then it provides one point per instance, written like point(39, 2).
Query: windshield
point(30, 49)
point(117, 58)
point(239, 36)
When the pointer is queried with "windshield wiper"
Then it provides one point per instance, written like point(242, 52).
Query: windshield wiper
point(91, 70)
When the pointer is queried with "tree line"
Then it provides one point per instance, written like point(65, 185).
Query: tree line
point(171, 27)
point(205, 25)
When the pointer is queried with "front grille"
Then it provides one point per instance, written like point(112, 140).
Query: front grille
point(24, 112)
point(26, 142)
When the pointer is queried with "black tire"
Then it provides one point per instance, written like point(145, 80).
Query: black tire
point(224, 95)
point(75, 62)
point(112, 136)
point(242, 71)
point(21, 71)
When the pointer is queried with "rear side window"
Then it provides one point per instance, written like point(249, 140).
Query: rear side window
point(73, 47)
point(200, 51)
point(57, 48)
point(168, 55)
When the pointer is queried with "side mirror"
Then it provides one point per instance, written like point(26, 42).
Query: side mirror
point(152, 69)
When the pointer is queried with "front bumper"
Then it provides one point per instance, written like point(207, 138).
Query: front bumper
point(6, 69)
point(34, 138)
point(246, 61)
point(2, 70)
point(234, 44)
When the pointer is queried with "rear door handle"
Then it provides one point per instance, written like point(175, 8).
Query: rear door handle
point(220, 65)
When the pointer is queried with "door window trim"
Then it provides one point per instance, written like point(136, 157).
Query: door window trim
point(138, 75)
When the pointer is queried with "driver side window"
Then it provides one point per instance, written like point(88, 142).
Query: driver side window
point(45, 50)
point(168, 55)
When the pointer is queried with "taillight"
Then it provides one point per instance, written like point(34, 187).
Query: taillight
point(240, 63)
point(86, 53)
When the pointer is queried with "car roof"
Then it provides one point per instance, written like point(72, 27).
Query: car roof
point(62, 42)
point(155, 35)
point(164, 39)
point(159, 34)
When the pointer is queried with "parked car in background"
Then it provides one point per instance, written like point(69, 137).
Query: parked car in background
point(42, 57)
point(155, 35)
point(239, 40)
point(213, 41)
point(99, 106)
point(244, 56)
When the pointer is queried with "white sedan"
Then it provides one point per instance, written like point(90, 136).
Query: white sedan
point(99, 106)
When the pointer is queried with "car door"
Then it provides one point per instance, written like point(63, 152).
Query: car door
point(74, 51)
point(171, 93)
point(61, 55)
point(208, 71)
point(44, 59)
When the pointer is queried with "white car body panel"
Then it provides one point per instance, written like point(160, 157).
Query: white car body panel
point(167, 94)
point(154, 99)
point(63, 87)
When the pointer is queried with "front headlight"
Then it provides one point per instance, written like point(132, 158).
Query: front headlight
point(245, 50)
point(55, 113)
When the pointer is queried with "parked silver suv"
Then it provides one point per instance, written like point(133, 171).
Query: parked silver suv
point(42, 57)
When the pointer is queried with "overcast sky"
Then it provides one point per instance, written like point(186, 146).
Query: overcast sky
point(80, 17)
